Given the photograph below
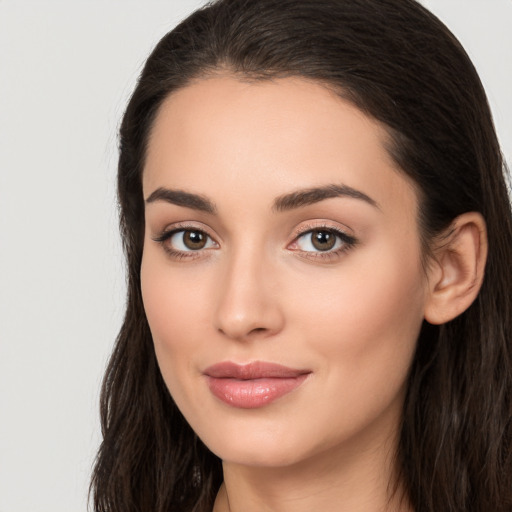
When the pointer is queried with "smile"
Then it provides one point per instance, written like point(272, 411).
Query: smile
point(253, 385)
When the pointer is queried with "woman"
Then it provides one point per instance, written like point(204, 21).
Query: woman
point(318, 237)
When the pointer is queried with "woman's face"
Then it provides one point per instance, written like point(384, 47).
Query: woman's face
point(281, 274)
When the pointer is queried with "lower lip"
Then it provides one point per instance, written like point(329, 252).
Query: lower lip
point(253, 393)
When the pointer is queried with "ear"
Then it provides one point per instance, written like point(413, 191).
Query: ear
point(456, 273)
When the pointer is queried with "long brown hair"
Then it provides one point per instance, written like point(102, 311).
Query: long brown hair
point(400, 65)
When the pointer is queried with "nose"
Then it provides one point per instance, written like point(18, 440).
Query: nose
point(248, 305)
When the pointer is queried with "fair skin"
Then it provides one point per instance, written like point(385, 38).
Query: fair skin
point(232, 272)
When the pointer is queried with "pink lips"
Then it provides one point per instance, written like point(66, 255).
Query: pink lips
point(252, 385)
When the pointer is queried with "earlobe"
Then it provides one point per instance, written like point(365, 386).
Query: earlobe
point(457, 272)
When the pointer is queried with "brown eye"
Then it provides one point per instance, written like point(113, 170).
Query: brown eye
point(194, 240)
point(323, 240)
point(187, 240)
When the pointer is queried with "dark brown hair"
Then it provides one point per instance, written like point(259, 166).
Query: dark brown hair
point(400, 65)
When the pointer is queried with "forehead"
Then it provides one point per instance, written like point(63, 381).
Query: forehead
point(284, 133)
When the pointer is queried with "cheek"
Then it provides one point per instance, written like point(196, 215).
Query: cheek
point(355, 325)
point(173, 294)
point(171, 306)
point(377, 293)
point(365, 323)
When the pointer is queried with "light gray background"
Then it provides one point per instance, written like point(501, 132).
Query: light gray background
point(66, 70)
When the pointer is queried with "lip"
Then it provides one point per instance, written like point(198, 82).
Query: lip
point(252, 385)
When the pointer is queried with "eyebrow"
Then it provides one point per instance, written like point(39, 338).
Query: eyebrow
point(182, 198)
point(290, 201)
point(308, 196)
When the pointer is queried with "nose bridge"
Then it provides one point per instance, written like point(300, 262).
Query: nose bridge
point(247, 305)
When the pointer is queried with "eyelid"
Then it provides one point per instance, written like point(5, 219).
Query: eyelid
point(184, 226)
point(169, 231)
point(348, 240)
point(323, 224)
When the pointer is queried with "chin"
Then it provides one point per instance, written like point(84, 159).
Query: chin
point(269, 446)
point(258, 456)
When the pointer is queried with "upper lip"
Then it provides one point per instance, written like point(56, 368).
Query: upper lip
point(254, 370)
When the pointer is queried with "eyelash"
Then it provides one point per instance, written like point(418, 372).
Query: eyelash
point(347, 241)
point(174, 253)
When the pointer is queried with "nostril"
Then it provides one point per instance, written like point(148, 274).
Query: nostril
point(258, 329)
point(249, 333)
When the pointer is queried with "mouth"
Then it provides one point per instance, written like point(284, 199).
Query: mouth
point(252, 385)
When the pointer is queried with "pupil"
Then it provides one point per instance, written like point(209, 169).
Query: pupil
point(194, 239)
point(323, 240)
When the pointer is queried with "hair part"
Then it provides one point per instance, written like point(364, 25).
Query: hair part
point(401, 66)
